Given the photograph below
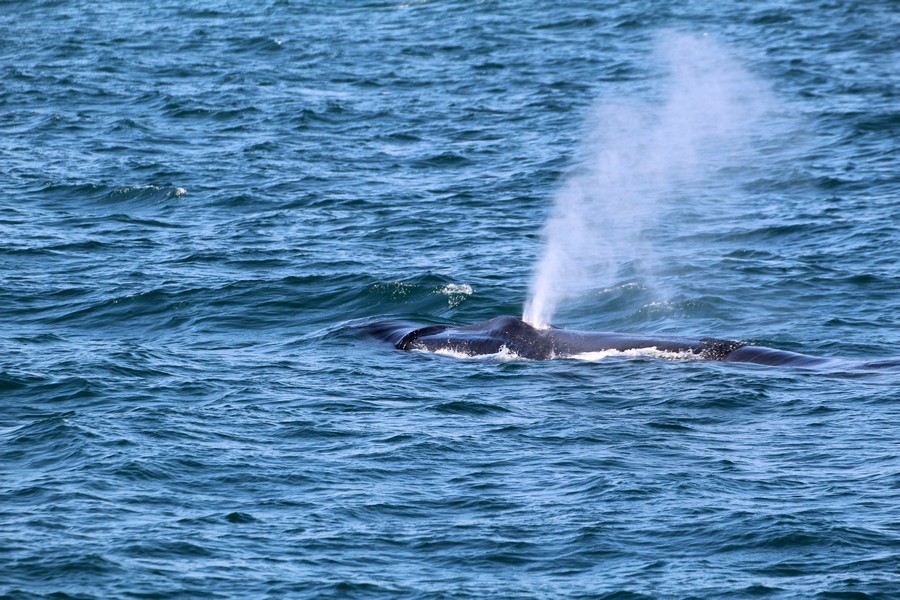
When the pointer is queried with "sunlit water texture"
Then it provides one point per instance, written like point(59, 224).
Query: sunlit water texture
point(202, 201)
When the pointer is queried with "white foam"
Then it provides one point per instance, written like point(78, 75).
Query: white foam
point(636, 353)
point(456, 288)
point(456, 293)
point(507, 355)
point(503, 355)
point(446, 352)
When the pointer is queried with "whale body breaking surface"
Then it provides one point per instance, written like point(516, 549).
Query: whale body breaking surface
point(512, 336)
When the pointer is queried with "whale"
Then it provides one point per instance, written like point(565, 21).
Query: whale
point(515, 337)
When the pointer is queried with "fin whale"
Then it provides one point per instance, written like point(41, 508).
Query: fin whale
point(518, 337)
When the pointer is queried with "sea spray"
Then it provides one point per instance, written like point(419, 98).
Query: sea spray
point(637, 156)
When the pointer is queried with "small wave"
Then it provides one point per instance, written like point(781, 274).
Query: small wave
point(468, 407)
point(140, 192)
point(143, 193)
point(566, 24)
point(443, 160)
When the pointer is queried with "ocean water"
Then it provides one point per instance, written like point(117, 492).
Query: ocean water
point(201, 202)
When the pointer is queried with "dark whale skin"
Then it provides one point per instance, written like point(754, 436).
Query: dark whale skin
point(525, 341)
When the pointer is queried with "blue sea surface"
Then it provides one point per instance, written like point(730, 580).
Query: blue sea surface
point(201, 202)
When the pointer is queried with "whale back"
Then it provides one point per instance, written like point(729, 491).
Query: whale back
point(515, 336)
point(507, 333)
